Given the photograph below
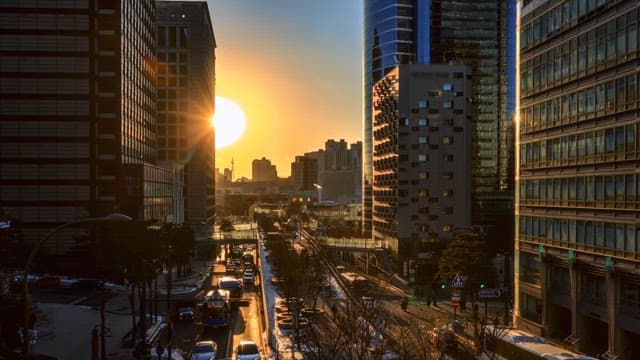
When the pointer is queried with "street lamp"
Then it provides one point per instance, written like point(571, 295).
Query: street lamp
point(25, 281)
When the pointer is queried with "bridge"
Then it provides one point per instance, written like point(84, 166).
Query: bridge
point(353, 244)
point(237, 237)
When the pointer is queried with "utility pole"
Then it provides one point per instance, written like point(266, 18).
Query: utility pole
point(169, 313)
point(103, 328)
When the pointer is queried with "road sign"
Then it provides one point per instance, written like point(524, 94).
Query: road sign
point(458, 281)
point(455, 300)
point(489, 293)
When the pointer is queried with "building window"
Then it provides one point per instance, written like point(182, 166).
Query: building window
point(529, 268)
point(447, 192)
point(423, 157)
point(422, 140)
point(423, 192)
point(423, 122)
point(423, 104)
point(447, 87)
point(423, 175)
point(530, 307)
point(447, 140)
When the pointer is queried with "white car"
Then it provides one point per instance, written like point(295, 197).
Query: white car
point(247, 350)
point(204, 350)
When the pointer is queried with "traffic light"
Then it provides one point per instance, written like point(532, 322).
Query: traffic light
point(482, 285)
point(443, 285)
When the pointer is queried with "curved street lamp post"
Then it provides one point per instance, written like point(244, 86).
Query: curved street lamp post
point(25, 332)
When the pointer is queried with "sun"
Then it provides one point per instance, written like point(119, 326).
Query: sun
point(229, 122)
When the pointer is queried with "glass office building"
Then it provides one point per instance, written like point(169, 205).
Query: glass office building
point(473, 33)
point(578, 239)
point(77, 109)
point(186, 96)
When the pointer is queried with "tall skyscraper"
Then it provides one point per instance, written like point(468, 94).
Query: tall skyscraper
point(421, 160)
point(474, 33)
point(77, 113)
point(186, 93)
point(263, 170)
point(578, 239)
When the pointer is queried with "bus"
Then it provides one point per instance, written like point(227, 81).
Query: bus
point(506, 343)
point(216, 309)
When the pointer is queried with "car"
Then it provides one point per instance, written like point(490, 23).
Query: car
point(186, 313)
point(49, 282)
point(247, 278)
point(247, 350)
point(204, 350)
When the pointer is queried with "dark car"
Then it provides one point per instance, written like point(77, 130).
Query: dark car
point(49, 282)
point(186, 313)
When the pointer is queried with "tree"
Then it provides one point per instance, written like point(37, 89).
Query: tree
point(468, 256)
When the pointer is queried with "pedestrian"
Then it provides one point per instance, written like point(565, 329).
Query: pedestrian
point(159, 350)
point(404, 303)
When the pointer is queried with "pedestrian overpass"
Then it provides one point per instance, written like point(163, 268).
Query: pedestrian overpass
point(236, 237)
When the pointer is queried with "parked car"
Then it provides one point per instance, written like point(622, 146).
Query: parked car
point(204, 350)
point(247, 350)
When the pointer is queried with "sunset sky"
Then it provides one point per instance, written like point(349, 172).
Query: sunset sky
point(295, 68)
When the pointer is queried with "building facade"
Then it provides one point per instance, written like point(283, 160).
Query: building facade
point(422, 156)
point(263, 171)
point(577, 235)
point(304, 173)
point(77, 110)
point(186, 93)
point(475, 33)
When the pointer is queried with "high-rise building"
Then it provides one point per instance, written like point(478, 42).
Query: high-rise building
point(422, 158)
point(304, 173)
point(186, 93)
point(263, 171)
point(475, 33)
point(577, 234)
point(339, 171)
point(77, 113)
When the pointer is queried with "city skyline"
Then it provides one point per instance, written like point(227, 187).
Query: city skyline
point(298, 85)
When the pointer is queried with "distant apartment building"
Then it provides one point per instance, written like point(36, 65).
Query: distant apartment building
point(263, 171)
point(422, 158)
point(577, 235)
point(77, 113)
point(304, 173)
point(186, 92)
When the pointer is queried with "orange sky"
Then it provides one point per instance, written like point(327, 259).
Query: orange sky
point(294, 67)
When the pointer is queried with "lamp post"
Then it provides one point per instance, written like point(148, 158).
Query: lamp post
point(25, 333)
